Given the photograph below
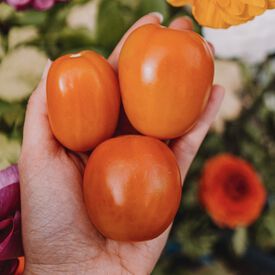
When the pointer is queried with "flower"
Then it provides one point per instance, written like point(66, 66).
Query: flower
point(14, 266)
point(228, 74)
point(10, 218)
point(231, 191)
point(21, 266)
point(8, 267)
point(223, 14)
point(251, 42)
point(36, 4)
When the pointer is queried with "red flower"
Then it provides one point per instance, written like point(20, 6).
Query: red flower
point(8, 267)
point(231, 191)
point(13, 266)
point(10, 218)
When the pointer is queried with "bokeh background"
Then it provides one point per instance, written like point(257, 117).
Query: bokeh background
point(245, 126)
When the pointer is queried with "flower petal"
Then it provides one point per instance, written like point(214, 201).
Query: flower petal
point(8, 267)
point(180, 3)
point(207, 14)
point(256, 3)
point(10, 238)
point(225, 13)
point(271, 4)
point(43, 4)
point(9, 191)
point(231, 191)
point(19, 4)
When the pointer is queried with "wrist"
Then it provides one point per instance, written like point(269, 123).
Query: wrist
point(45, 269)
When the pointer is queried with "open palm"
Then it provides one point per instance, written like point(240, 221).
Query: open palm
point(57, 234)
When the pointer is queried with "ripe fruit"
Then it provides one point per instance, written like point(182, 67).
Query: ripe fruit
point(132, 188)
point(165, 78)
point(83, 100)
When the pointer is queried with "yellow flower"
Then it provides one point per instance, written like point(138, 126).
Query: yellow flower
point(225, 13)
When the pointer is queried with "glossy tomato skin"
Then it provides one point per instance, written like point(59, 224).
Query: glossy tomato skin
point(165, 78)
point(132, 188)
point(83, 100)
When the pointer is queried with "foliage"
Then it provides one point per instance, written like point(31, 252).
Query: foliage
point(28, 37)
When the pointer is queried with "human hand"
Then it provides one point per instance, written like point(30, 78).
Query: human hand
point(58, 237)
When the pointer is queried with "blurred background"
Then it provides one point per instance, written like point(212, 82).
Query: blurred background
point(244, 128)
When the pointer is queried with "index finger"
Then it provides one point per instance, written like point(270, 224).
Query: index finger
point(151, 18)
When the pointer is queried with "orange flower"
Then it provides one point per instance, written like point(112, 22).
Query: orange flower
point(21, 265)
point(231, 191)
point(225, 13)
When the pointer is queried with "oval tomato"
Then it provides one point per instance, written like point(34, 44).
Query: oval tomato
point(132, 188)
point(165, 78)
point(83, 100)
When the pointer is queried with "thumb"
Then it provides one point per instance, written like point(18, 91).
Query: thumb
point(37, 133)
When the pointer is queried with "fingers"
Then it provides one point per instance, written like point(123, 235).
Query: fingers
point(152, 18)
point(182, 23)
point(186, 147)
point(37, 133)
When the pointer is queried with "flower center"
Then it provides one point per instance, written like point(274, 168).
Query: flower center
point(236, 187)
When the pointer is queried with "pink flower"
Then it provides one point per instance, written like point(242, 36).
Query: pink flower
point(10, 218)
point(10, 236)
point(8, 267)
point(19, 4)
point(9, 191)
point(43, 4)
point(36, 4)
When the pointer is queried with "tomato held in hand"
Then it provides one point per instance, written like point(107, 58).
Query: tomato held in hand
point(132, 188)
point(165, 78)
point(83, 100)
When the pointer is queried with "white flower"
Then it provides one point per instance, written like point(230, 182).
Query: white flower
point(84, 16)
point(20, 72)
point(251, 42)
point(21, 35)
point(228, 74)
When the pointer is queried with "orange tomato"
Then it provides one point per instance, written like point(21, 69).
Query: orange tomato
point(83, 100)
point(132, 188)
point(165, 78)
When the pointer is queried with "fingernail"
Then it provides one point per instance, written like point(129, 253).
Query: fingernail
point(158, 15)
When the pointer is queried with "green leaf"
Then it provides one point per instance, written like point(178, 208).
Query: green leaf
point(196, 236)
point(9, 151)
point(6, 12)
point(68, 41)
point(2, 48)
point(12, 114)
point(265, 229)
point(146, 7)
point(113, 21)
point(239, 241)
point(29, 17)
point(131, 4)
